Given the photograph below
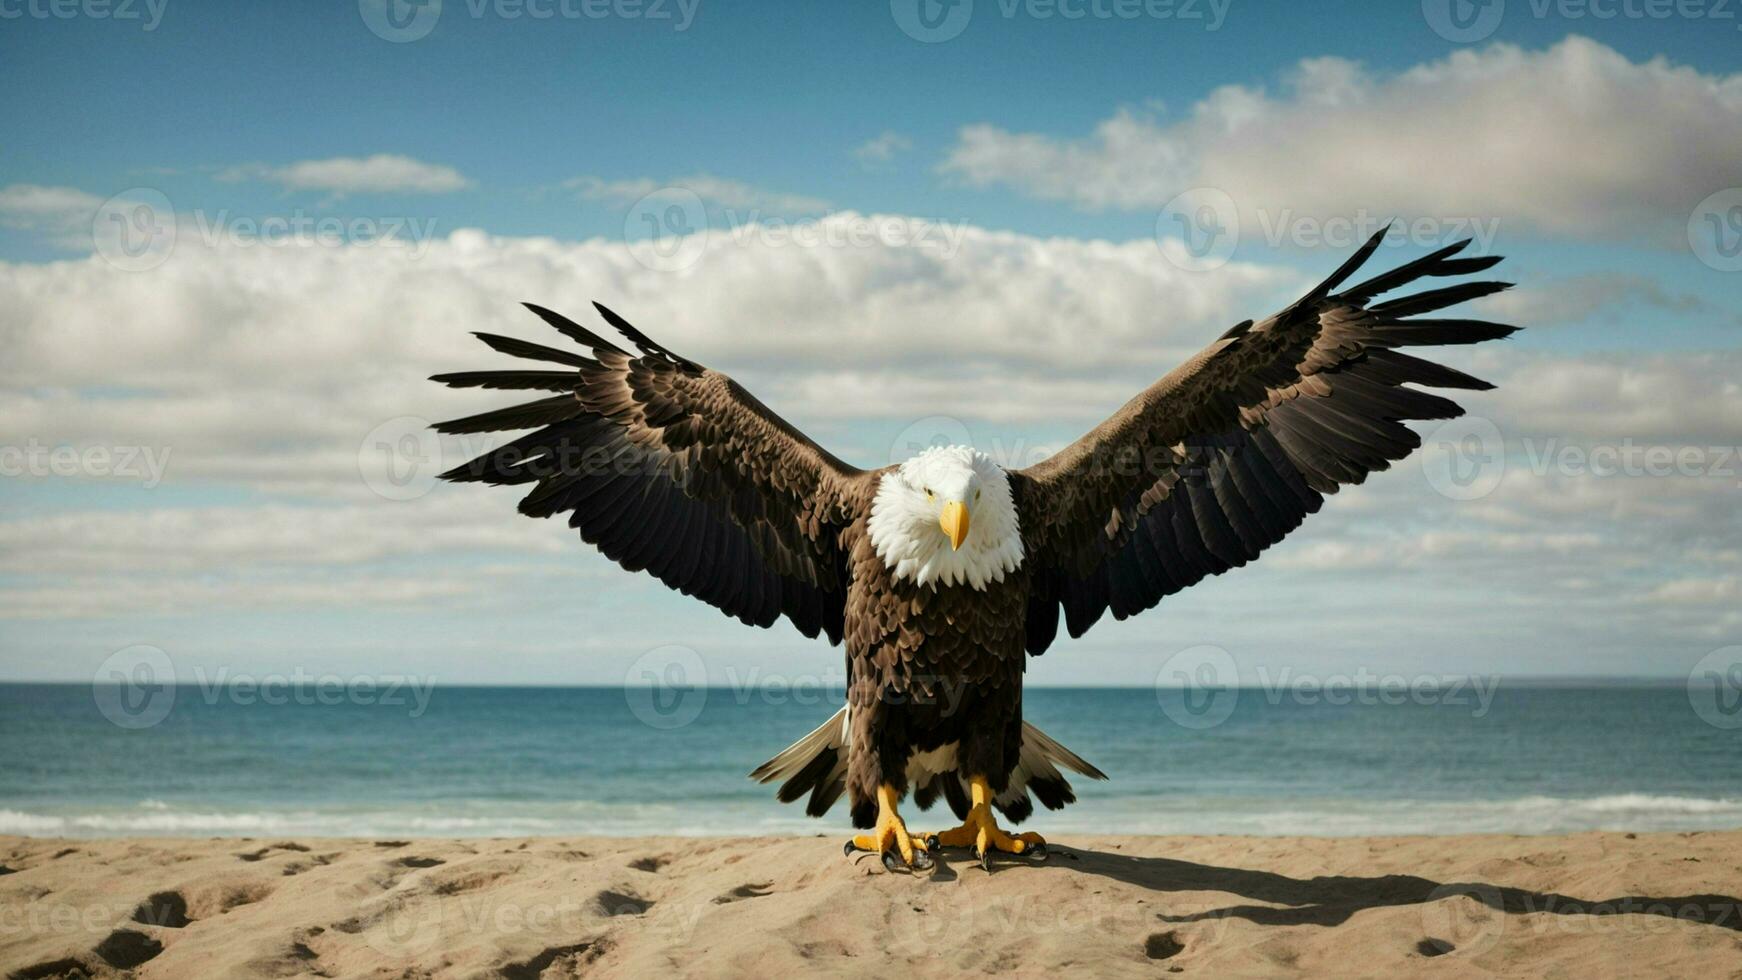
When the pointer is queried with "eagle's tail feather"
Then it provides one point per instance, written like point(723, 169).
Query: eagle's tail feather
point(816, 765)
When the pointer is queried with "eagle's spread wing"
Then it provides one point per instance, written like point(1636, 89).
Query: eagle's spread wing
point(668, 466)
point(1224, 456)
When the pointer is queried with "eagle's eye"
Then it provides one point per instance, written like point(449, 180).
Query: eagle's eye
point(928, 493)
point(976, 496)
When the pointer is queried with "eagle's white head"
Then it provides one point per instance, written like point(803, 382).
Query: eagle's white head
point(946, 517)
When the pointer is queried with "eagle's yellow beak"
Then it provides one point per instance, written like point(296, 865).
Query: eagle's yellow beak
point(954, 521)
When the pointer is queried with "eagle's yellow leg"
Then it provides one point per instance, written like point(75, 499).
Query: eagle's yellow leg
point(981, 832)
point(890, 836)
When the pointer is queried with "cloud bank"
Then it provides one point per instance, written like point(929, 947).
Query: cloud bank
point(383, 173)
point(1575, 140)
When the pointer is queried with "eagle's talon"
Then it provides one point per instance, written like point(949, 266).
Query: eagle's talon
point(981, 834)
point(890, 838)
point(892, 860)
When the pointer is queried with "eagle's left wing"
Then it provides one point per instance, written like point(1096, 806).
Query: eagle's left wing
point(1228, 453)
point(670, 467)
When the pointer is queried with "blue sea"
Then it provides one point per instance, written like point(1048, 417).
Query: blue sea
point(480, 761)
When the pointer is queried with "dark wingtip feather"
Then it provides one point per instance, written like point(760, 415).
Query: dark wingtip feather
point(515, 347)
point(573, 330)
point(1349, 265)
point(1437, 299)
point(530, 415)
point(1463, 267)
point(510, 380)
point(642, 342)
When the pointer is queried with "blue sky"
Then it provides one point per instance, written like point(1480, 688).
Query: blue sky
point(1035, 156)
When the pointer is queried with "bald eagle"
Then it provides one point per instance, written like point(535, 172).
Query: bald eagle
point(944, 573)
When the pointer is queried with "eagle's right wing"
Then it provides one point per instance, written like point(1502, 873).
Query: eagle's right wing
point(670, 467)
point(1225, 455)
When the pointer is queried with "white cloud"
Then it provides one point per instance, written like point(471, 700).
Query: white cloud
point(227, 539)
point(716, 193)
point(133, 595)
point(1435, 547)
point(1608, 399)
point(882, 148)
point(27, 205)
point(1575, 298)
point(1575, 140)
point(383, 173)
point(266, 367)
point(1725, 591)
point(63, 214)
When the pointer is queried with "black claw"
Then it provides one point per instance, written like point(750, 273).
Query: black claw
point(931, 842)
point(848, 848)
point(890, 861)
point(1036, 852)
point(921, 860)
point(986, 860)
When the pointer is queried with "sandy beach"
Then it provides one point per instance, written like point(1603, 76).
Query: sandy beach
point(1594, 904)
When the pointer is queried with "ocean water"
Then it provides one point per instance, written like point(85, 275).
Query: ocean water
point(1528, 758)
